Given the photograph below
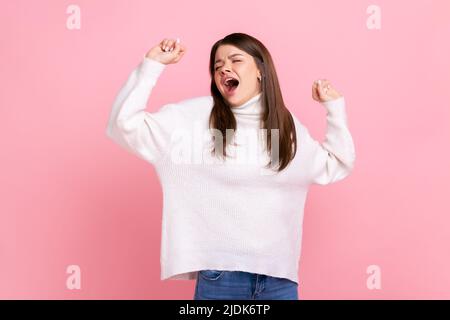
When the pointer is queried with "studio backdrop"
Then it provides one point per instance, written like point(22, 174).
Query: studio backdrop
point(81, 219)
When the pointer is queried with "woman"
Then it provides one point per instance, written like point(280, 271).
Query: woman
point(232, 202)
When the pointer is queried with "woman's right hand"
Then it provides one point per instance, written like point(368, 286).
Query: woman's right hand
point(167, 51)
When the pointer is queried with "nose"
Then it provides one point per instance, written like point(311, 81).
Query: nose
point(224, 70)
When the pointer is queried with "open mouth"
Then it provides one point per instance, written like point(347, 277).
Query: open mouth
point(230, 85)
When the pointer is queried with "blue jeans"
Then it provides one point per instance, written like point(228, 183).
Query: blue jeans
point(240, 285)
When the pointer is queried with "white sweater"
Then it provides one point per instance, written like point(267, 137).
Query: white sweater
point(232, 215)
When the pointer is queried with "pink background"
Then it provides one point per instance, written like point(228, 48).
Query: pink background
point(70, 196)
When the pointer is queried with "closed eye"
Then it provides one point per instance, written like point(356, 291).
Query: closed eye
point(233, 61)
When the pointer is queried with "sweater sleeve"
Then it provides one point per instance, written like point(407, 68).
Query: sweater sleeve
point(145, 134)
point(334, 158)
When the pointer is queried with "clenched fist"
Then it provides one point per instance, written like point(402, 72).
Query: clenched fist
point(167, 51)
point(323, 91)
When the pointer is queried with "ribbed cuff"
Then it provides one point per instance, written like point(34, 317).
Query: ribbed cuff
point(152, 68)
point(335, 107)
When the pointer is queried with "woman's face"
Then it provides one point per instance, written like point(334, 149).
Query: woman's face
point(232, 62)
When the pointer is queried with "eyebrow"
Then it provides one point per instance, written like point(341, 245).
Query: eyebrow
point(233, 55)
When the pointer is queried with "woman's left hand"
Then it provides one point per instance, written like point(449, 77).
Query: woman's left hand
point(323, 91)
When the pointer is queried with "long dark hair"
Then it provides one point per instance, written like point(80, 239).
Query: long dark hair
point(275, 115)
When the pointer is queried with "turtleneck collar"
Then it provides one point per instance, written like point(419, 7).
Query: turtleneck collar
point(253, 106)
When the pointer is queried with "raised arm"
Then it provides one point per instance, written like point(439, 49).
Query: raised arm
point(334, 158)
point(146, 134)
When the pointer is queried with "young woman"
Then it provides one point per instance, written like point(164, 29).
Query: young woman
point(235, 168)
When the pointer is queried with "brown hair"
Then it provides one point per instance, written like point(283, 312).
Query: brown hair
point(275, 115)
